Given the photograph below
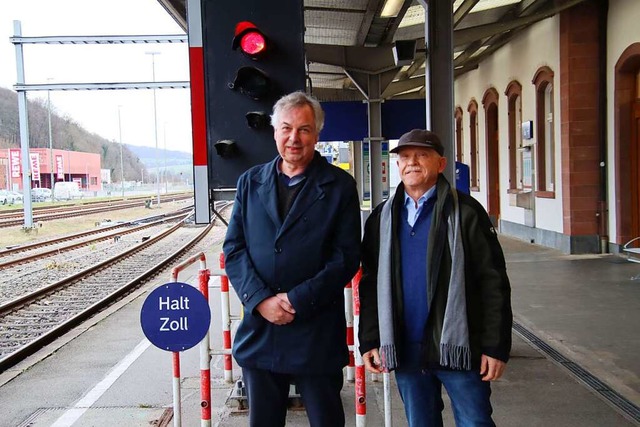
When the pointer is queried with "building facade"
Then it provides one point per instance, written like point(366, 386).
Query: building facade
point(49, 166)
point(549, 127)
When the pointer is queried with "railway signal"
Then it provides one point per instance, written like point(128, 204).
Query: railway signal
point(251, 41)
point(254, 54)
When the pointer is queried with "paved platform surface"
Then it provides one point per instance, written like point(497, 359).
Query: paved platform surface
point(576, 346)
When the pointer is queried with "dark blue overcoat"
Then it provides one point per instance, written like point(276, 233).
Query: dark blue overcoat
point(311, 255)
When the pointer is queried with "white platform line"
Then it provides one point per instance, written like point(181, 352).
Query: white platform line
point(72, 415)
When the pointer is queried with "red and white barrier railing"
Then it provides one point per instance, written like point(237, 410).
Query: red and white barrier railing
point(355, 371)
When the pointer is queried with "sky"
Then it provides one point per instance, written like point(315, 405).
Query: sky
point(97, 111)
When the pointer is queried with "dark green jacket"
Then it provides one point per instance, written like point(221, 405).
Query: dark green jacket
point(488, 292)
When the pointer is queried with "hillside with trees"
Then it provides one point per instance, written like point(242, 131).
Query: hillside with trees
point(67, 135)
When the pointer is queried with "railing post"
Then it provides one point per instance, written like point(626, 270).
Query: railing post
point(348, 311)
point(361, 392)
point(205, 357)
point(226, 323)
point(177, 401)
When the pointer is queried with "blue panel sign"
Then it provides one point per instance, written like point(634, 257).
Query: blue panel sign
point(384, 148)
point(175, 316)
point(366, 171)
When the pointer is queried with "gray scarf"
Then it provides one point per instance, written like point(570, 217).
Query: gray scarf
point(455, 351)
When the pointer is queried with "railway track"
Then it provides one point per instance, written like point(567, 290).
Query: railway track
point(38, 250)
point(16, 217)
point(35, 318)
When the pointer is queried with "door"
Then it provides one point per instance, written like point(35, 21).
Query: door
point(634, 184)
point(493, 178)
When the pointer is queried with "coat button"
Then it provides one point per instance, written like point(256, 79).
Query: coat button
point(277, 250)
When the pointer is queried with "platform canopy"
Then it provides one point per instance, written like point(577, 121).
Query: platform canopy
point(348, 38)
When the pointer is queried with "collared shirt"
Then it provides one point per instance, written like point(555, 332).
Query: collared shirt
point(413, 211)
point(289, 181)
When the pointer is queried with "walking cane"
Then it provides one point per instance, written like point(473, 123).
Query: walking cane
point(386, 384)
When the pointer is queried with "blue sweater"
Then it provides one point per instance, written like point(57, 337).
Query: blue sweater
point(413, 253)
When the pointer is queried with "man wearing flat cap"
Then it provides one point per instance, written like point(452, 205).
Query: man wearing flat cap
point(435, 299)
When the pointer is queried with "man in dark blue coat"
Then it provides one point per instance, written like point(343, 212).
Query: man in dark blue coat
point(291, 247)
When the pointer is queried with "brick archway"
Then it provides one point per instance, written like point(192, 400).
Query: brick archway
point(627, 144)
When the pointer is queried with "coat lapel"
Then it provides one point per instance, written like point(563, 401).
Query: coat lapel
point(268, 191)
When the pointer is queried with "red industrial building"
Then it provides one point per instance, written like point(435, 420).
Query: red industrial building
point(59, 165)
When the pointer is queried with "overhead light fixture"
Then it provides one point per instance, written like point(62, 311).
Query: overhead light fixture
point(391, 8)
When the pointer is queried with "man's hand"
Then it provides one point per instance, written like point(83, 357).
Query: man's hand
point(491, 369)
point(277, 309)
point(371, 361)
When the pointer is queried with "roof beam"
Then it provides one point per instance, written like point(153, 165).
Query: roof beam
point(497, 42)
point(177, 9)
point(369, 60)
point(468, 35)
point(462, 11)
point(372, 8)
point(331, 95)
point(402, 86)
point(333, 9)
point(391, 29)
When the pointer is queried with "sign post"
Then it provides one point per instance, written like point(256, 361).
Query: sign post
point(175, 317)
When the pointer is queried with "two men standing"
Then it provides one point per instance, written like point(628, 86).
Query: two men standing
point(435, 298)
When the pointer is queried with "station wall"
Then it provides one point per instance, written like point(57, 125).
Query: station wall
point(517, 61)
point(556, 220)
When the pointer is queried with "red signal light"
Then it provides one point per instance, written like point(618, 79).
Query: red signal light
point(251, 41)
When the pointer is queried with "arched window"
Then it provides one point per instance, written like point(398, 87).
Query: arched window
point(514, 106)
point(490, 101)
point(545, 138)
point(473, 143)
point(459, 145)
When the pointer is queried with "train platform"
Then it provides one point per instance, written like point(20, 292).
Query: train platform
point(574, 360)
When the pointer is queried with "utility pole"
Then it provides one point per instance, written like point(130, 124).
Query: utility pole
point(121, 160)
point(155, 122)
point(53, 195)
point(164, 156)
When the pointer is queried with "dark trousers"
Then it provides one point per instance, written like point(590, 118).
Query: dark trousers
point(268, 394)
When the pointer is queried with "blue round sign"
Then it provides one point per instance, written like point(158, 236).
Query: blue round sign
point(175, 316)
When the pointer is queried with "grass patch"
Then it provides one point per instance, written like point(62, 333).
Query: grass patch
point(60, 227)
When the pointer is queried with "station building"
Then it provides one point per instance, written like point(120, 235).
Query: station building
point(549, 126)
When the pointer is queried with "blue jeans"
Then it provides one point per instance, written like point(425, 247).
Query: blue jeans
point(421, 392)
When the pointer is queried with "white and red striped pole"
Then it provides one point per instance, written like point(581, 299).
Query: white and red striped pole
point(348, 312)
point(361, 391)
point(198, 113)
point(177, 401)
point(226, 323)
point(205, 358)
